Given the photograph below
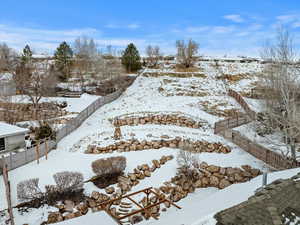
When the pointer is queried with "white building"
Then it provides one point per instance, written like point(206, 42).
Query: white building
point(11, 137)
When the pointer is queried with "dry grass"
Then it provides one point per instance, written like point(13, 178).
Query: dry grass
point(108, 166)
point(176, 75)
point(179, 68)
point(213, 109)
point(233, 78)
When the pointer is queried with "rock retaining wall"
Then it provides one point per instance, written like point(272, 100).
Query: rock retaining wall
point(136, 145)
point(177, 120)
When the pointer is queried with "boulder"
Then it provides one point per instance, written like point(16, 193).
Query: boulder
point(82, 208)
point(213, 169)
point(54, 217)
point(135, 219)
point(224, 183)
point(147, 173)
point(109, 190)
point(214, 181)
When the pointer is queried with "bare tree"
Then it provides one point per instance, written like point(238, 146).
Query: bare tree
point(7, 57)
point(68, 181)
point(281, 81)
point(29, 189)
point(186, 52)
point(153, 55)
point(35, 80)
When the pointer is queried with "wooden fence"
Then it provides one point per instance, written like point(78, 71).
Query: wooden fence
point(231, 123)
point(242, 103)
point(15, 160)
point(224, 128)
point(274, 159)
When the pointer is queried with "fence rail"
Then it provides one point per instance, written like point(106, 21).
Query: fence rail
point(15, 160)
point(224, 128)
point(270, 157)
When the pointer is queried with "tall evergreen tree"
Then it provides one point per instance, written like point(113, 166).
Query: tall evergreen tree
point(131, 58)
point(26, 55)
point(63, 60)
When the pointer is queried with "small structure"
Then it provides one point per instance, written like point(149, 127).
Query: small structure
point(276, 204)
point(11, 137)
point(7, 85)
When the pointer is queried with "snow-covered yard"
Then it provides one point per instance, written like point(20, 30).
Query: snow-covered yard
point(141, 98)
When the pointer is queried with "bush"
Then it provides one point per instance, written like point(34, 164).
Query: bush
point(29, 189)
point(44, 131)
point(109, 166)
point(68, 181)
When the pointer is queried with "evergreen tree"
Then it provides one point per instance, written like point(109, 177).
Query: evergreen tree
point(63, 60)
point(26, 55)
point(131, 58)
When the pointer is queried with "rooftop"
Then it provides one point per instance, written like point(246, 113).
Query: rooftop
point(10, 130)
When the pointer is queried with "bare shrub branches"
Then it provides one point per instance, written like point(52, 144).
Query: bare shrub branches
point(153, 55)
point(281, 80)
point(29, 189)
point(68, 181)
point(112, 165)
point(186, 52)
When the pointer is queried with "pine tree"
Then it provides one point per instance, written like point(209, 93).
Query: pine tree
point(63, 60)
point(131, 58)
point(26, 55)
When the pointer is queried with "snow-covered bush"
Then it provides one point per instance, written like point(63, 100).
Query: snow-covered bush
point(112, 165)
point(29, 189)
point(187, 159)
point(68, 181)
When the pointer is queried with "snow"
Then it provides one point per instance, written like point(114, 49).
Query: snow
point(74, 104)
point(142, 98)
point(9, 130)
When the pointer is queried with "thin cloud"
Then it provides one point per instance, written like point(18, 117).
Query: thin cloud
point(131, 26)
point(287, 18)
point(234, 18)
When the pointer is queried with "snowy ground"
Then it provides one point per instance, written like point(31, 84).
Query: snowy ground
point(144, 97)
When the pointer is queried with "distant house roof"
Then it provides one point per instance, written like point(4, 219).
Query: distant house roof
point(10, 130)
point(278, 203)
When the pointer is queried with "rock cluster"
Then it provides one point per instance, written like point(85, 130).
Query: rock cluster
point(136, 145)
point(68, 210)
point(186, 182)
point(174, 119)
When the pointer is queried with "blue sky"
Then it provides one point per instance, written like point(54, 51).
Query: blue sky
point(232, 27)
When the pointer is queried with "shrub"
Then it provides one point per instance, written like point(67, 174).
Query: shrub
point(44, 131)
point(68, 181)
point(29, 189)
point(109, 166)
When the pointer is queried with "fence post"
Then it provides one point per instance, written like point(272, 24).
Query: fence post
point(10, 160)
point(37, 152)
point(8, 192)
point(46, 149)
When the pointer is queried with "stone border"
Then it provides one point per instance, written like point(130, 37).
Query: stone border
point(165, 119)
point(136, 145)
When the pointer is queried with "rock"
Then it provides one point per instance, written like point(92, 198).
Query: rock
point(203, 165)
point(213, 169)
point(156, 163)
point(135, 219)
point(246, 168)
point(198, 184)
point(132, 176)
point(214, 181)
point(224, 183)
point(255, 172)
point(54, 217)
point(238, 177)
point(72, 215)
point(83, 208)
point(147, 173)
point(109, 190)
point(91, 202)
point(164, 137)
point(167, 204)
point(95, 195)
point(145, 167)
point(69, 205)
point(204, 181)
